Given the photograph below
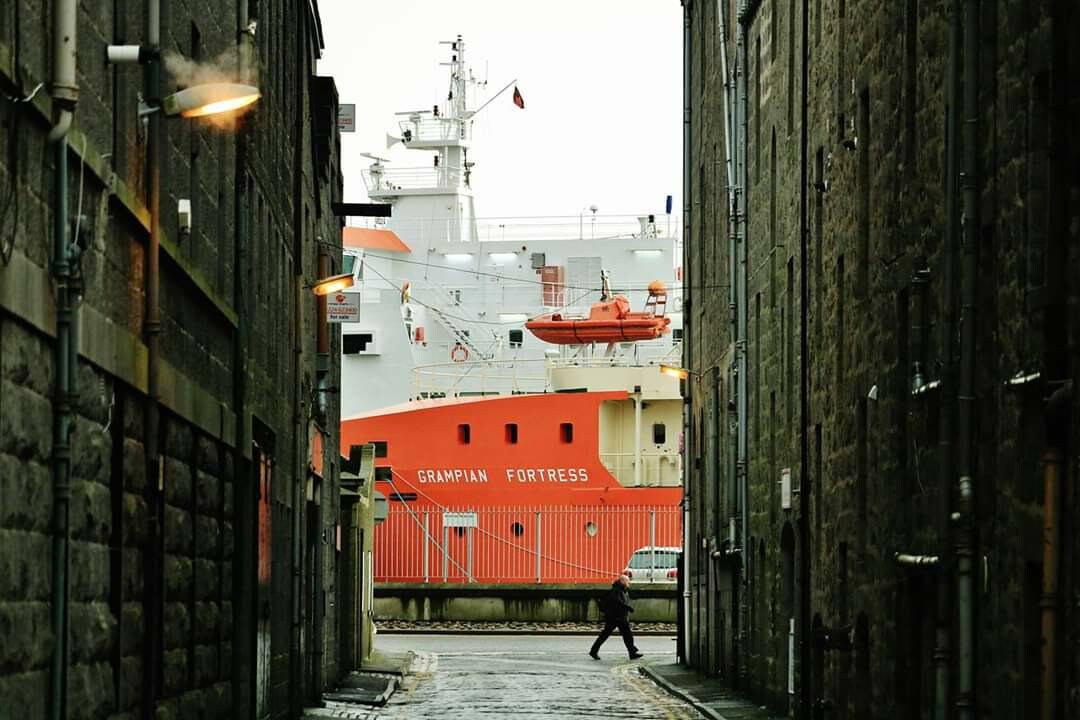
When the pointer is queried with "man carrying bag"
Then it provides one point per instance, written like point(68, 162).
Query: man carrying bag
point(616, 607)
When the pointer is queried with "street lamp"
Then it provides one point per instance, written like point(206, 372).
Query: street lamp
point(209, 99)
point(333, 284)
point(678, 372)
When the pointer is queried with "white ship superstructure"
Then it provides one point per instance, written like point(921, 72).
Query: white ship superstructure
point(445, 294)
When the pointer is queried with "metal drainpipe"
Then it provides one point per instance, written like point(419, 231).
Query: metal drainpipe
point(740, 80)
point(1058, 430)
point(152, 327)
point(296, 662)
point(65, 94)
point(739, 148)
point(805, 635)
point(1049, 601)
point(244, 604)
point(947, 406)
point(687, 294)
point(1057, 362)
point(731, 182)
point(966, 521)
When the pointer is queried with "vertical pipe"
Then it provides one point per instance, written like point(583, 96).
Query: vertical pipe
point(742, 309)
point(62, 423)
point(65, 93)
point(300, 422)
point(1049, 601)
point(427, 547)
point(805, 481)
point(446, 551)
point(688, 326)
point(637, 439)
point(967, 530)
point(245, 564)
point(152, 326)
point(947, 409)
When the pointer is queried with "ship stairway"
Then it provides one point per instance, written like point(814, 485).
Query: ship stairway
point(656, 304)
point(464, 325)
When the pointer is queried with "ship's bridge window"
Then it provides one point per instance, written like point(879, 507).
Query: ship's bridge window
point(464, 434)
point(659, 433)
point(516, 338)
point(511, 433)
point(566, 432)
point(380, 448)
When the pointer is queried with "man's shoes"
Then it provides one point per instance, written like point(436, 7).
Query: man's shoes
point(593, 655)
point(636, 655)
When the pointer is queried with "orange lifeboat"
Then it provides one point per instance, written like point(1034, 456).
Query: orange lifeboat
point(609, 321)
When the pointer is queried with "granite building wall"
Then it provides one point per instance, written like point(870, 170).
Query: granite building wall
point(164, 611)
point(878, 306)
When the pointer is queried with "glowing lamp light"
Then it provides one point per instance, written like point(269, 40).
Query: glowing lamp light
point(210, 99)
point(458, 257)
point(333, 284)
point(675, 372)
point(648, 251)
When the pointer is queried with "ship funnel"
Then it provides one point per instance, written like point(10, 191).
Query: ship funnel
point(391, 141)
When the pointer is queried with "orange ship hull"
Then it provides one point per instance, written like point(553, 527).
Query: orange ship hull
point(506, 489)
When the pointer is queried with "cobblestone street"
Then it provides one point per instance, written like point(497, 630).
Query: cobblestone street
point(527, 677)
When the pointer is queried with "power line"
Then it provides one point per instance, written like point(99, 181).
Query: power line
point(502, 323)
point(499, 276)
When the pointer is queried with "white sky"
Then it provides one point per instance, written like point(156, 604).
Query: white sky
point(601, 79)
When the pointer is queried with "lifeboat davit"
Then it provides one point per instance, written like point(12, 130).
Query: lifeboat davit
point(608, 321)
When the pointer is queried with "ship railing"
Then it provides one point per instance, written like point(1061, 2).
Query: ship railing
point(525, 229)
point(641, 354)
point(428, 130)
point(422, 541)
point(658, 469)
point(413, 178)
point(477, 378)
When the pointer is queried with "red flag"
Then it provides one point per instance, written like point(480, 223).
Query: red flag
point(518, 100)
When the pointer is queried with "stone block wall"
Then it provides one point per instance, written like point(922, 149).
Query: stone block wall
point(877, 102)
point(163, 555)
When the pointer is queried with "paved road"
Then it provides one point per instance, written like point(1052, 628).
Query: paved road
point(498, 676)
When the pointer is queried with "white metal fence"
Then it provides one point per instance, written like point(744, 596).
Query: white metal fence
point(426, 543)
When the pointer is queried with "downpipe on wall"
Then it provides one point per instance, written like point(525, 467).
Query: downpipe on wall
point(966, 519)
point(805, 481)
point(65, 94)
point(947, 408)
point(687, 295)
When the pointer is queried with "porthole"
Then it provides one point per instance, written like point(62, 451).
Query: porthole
point(591, 529)
point(517, 529)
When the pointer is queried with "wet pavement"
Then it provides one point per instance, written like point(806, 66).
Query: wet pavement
point(520, 676)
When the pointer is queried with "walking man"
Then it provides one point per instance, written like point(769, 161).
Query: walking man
point(616, 607)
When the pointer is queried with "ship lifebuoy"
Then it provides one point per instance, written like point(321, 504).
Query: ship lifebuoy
point(459, 353)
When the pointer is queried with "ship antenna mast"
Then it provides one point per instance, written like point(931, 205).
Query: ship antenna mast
point(456, 100)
